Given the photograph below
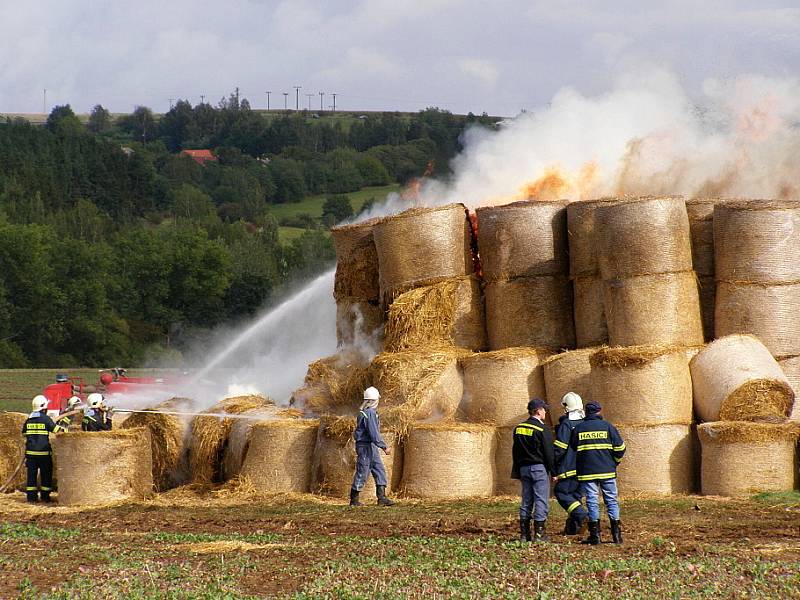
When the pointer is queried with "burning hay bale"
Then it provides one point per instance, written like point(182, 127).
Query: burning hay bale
point(12, 447)
point(523, 239)
point(498, 385)
point(791, 368)
point(653, 309)
point(643, 385)
point(568, 372)
point(356, 262)
point(103, 466)
point(583, 235)
point(210, 434)
point(468, 470)
point(503, 461)
point(530, 311)
point(739, 459)
point(422, 245)
point(735, 378)
point(659, 459)
point(357, 320)
point(168, 433)
point(590, 317)
point(334, 384)
point(445, 314)
point(335, 459)
point(281, 455)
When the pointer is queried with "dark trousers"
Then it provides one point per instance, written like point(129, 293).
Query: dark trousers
point(39, 466)
point(568, 494)
point(368, 460)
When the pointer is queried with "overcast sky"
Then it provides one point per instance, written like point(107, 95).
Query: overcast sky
point(462, 55)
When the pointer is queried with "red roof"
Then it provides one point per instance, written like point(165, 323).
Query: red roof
point(200, 156)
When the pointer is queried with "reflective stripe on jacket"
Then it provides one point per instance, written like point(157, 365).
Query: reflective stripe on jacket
point(37, 434)
point(598, 449)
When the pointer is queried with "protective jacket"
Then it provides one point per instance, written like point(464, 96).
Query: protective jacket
point(564, 456)
point(598, 449)
point(37, 431)
point(368, 428)
point(533, 445)
point(62, 424)
point(96, 420)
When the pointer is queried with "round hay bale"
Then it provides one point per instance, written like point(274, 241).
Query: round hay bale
point(422, 244)
point(449, 460)
point(333, 384)
point(769, 312)
point(590, 317)
point(504, 461)
point(530, 311)
point(653, 309)
point(335, 459)
point(735, 378)
point(498, 385)
point(281, 455)
point(523, 239)
point(643, 385)
point(757, 241)
point(448, 313)
point(583, 242)
point(707, 288)
point(12, 447)
point(701, 225)
point(356, 262)
point(103, 466)
point(168, 435)
point(739, 459)
point(357, 320)
point(238, 442)
point(659, 459)
point(568, 372)
point(791, 368)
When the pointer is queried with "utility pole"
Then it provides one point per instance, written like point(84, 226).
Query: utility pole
point(285, 97)
point(297, 89)
point(170, 103)
point(321, 94)
point(267, 93)
point(202, 98)
point(44, 102)
point(309, 96)
point(334, 101)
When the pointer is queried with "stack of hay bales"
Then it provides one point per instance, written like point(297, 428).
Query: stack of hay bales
point(12, 447)
point(523, 250)
point(701, 216)
point(356, 288)
point(333, 384)
point(568, 372)
point(646, 392)
point(649, 288)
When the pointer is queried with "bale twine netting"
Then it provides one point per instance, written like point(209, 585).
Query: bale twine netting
point(735, 378)
point(791, 368)
point(643, 385)
point(739, 459)
point(653, 309)
point(422, 244)
point(583, 237)
point(333, 384)
point(701, 225)
point(281, 455)
point(530, 311)
point(356, 262)
point(448, 313)
point(523, 239)
point(504, 461)
point(449, 460)
point(590, 317)
point(769, 312)
point(335, 459)
point(568, 372)
point(357, 320)
point(168, 437)
point(643, 237)
point(498, 385)
point(757, 241)
point(659, 459)
point(12, 447)
point(103, 466)
point(708, 299)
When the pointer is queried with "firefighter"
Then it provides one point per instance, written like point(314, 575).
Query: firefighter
point(532, 454)
point(567, 490)
point(599, 449)
point(369, 441)
point(97, 417)
point(63, 423)
point(38, 453)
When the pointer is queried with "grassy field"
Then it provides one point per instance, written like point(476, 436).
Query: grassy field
point(188, 544)
point(312, 205)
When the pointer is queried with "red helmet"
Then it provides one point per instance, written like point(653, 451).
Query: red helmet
point(106, 378)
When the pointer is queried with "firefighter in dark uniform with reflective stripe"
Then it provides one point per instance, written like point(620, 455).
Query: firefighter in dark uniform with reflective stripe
point(63, 423)
point(599, 449)
point(567, 489)
point(533, 466)
point(38, 453)
point(369, 442)
point(96, 418)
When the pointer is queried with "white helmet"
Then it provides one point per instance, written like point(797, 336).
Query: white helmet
point(372, 393)
point(572, 401)
point(73, 403)
point(95, 400)
point(39, 402)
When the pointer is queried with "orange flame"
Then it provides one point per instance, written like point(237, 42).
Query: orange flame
point(554, 184)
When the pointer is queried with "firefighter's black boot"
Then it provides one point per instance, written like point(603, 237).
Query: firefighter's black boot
point(616, 531)
point(46, 497)
point(538, 532)
point(570, 527)
point(594, 534)
point(354, 497)
point(32, 497)
point(380, 491)
point(524, 530)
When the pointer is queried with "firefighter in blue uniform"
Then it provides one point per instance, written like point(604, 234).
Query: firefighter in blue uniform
point(532, 454)
point(63, 423)
point(567, 489)
point(599, 449)
point(96, 417)
point(369, 441)
point(38, 453)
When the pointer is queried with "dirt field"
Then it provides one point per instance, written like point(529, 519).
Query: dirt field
point(187, 544)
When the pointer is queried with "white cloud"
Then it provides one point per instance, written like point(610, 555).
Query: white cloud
point(485, 71)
